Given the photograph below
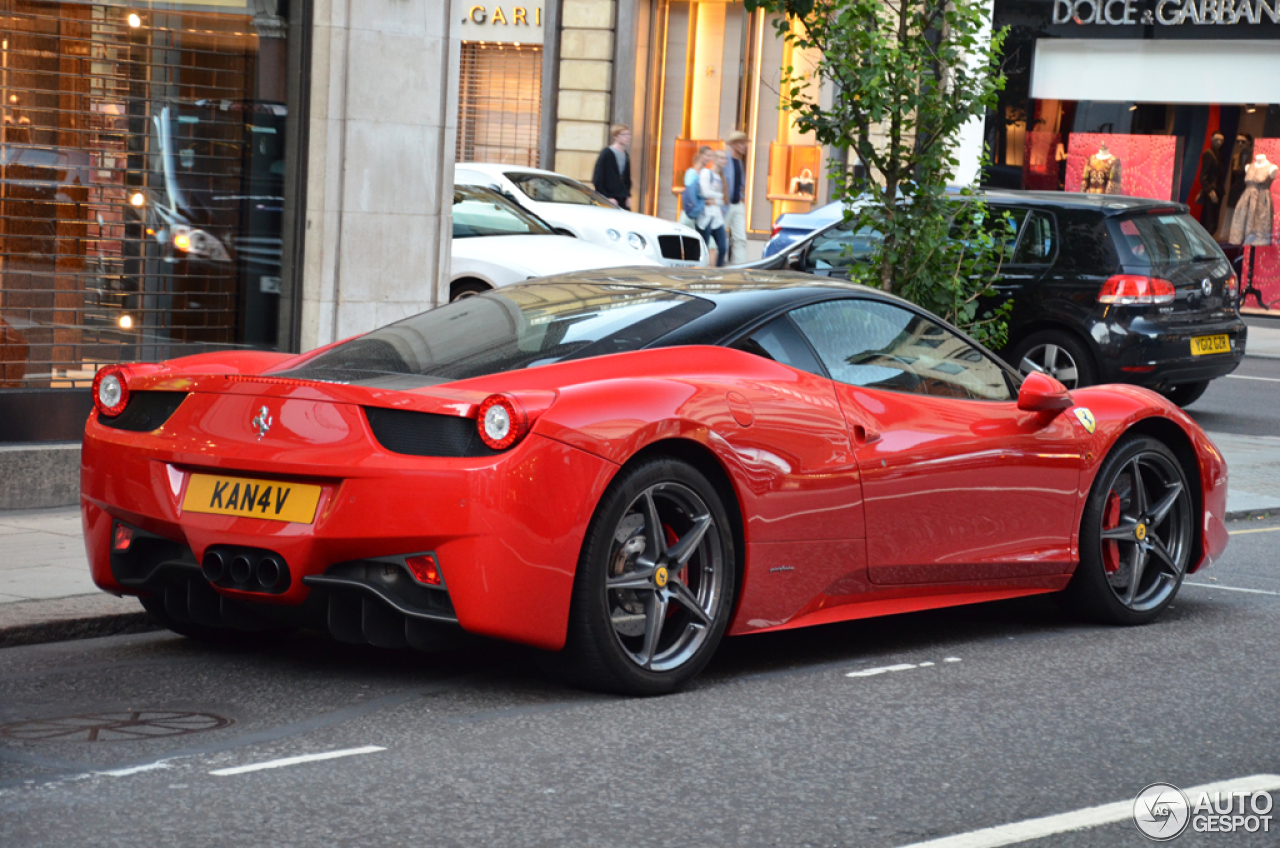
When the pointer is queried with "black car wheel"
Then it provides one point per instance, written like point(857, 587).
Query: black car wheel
point(655, 582)
point(1185, 394)
point(1135, 537)
point(1058, 354)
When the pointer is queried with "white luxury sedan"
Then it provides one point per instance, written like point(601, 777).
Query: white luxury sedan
point(575, 209)
point(496, 243)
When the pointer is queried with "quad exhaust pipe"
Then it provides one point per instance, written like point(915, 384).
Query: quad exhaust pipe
point(245, 569)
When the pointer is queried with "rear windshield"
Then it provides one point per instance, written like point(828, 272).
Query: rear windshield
point(1171, 239)
point(505, 330)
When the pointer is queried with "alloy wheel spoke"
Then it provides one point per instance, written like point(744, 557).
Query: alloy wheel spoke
point(1027, 366)
point(653, 528)
point(642, 579)
point(1123, 533)
point(1051, 359)
point(1139, 491)
point(682, 550)
point(1137, 565)
point(655, 615)
point(1162, 552)
point(1161, 509)
point(684, 596)
point(1067, 376)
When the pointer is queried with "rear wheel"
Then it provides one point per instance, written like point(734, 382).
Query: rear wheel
point(1185, 394)
point(466, 288)
point(1135, 537)
point(1060, 355)
point(655, 582)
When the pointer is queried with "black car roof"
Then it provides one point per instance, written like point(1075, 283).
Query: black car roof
point(1107, 204)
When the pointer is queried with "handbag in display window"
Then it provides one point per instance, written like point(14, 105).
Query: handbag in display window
point(804, 183)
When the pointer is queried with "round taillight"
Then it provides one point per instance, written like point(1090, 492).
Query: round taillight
point(111, 390)
point(502, 421)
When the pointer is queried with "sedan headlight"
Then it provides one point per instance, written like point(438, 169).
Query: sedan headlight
point(637, 241)
point(613, 235)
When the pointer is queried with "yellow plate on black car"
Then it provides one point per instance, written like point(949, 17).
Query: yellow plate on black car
point(249, 498)
point(1201, 345)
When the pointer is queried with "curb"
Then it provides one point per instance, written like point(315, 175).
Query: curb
point(1247, 514)
point(66, 630)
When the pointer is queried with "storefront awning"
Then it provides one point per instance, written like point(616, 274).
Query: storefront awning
point(1157, 71)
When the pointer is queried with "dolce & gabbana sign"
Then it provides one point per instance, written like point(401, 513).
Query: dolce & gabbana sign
point(1165, 13)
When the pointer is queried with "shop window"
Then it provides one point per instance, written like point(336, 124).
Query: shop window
point(500, 103)
point(141, 185)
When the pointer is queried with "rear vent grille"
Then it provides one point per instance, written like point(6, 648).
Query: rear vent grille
point(425, 434)
point(686, 248)
point(146, 411)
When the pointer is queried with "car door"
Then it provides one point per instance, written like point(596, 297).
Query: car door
point(834, 251)
point(958, 484)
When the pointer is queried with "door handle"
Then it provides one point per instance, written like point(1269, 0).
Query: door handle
point(863, 436)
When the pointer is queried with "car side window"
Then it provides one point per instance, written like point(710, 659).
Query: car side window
point(1036, 245)
point(780, 341)
point(882, 346)
point(840, 247)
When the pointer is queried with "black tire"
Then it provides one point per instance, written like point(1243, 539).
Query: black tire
point(1185, 394)
point(1058, 354)
point(1149, 527)
point(466, 288)
point(603, 650)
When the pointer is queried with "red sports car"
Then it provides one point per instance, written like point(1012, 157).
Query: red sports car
point(622, 468)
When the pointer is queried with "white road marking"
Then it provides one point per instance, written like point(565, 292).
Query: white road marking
point(1256, 530)
point(872, 672)
point(126, 772)
point(1264, 379)
point(293, 761)
point(1025, 831)
point(1230, 588)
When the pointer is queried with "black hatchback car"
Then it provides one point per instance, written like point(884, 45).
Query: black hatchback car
point(1106, 289)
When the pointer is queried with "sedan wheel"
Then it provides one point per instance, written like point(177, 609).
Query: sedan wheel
point(1136, 536)
point(655, 582)
point(1058, 355)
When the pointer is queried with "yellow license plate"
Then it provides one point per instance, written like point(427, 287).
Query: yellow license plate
point(1201, 345)
point(249, 498)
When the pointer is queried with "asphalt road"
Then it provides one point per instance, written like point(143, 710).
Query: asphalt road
point(1246, 402)
point(1035, 715)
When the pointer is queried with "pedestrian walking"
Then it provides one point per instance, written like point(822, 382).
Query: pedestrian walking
point(711, 184)
point(692, 204)
point(735, 181)
point(612, 176)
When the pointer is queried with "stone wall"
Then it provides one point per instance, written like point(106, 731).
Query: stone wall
point(381, 135)
point(586, 82)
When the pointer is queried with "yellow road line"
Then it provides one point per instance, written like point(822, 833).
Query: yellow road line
point(1259, 530)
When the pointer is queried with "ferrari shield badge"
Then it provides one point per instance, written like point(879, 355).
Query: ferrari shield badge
point(1086, 418)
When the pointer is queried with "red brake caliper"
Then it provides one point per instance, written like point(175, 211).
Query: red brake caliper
point(1110, 521)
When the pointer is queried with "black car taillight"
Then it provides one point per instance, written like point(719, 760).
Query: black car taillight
point(1129, 289)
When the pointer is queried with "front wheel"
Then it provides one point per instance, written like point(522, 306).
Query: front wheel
point(655, 582)
point(1136, 536)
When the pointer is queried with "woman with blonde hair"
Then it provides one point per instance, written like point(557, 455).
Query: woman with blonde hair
point(711, 182)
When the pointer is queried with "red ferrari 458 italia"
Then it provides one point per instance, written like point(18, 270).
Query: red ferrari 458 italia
point(622, 468)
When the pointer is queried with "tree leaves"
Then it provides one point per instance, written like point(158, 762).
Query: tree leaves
point(904, 78)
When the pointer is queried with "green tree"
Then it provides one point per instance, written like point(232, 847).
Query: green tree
point(902, 78)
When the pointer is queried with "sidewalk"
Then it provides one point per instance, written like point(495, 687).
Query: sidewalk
point(46, 593)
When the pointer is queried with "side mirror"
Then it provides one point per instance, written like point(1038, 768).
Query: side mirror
point(1042, 393)
point(796, 261)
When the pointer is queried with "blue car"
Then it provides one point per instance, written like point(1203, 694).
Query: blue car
point(791, 227)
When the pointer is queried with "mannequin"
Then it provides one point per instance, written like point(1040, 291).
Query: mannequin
point(1211, 182)
point(1251, 222)
point(1101, 173)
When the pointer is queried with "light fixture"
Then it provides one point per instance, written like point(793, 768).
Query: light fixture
point(1133, 108)
point(1251, 109)
point(126, 322)
point(138, 198)
point(135, 20)
point(182, 241)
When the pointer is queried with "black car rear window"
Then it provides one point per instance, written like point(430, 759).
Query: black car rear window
point(1169, 239)
point(507, 329)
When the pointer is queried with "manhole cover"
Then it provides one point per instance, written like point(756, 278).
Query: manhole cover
point(111, 727)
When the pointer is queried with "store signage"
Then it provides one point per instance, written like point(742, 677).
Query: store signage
point(503, 22)
point(1165, 12)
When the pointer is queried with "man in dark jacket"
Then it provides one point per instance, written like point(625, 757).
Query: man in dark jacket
point(1211, 183)
point(612, 176)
